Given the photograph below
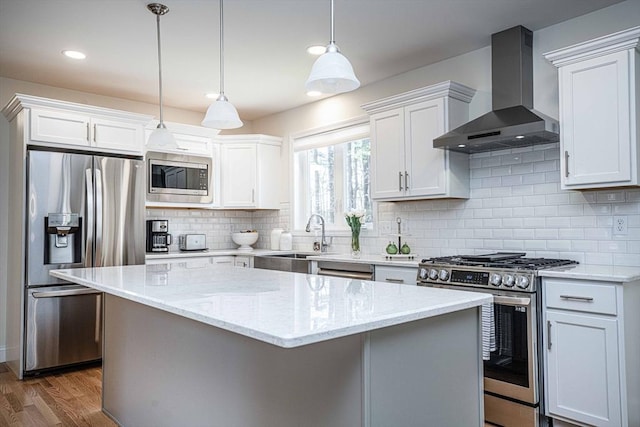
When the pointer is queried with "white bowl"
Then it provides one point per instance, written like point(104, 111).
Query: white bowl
point(245, 240)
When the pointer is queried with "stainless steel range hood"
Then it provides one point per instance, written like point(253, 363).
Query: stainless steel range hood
point(513, 121)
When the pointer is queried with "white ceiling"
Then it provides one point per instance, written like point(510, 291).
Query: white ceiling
point(266, 65)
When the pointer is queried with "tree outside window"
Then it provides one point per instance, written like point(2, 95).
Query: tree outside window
point(331, 179)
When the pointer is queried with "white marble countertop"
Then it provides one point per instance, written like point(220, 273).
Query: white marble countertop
point(367, 259)
point(596, 272)
point(280, 308)
point(313, 256)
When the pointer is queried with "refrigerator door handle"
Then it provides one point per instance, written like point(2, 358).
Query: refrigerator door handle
point(97, 336)
point(99, 206)
point(90, 219)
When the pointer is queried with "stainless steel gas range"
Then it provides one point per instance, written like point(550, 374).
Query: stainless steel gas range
point(513, 371)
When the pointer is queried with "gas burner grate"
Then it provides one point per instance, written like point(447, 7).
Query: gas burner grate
point(511, 263)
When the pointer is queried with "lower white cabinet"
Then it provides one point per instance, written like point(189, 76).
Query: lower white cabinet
point(202, 261)
point(592, 351)
point(243, 261)
point(392, 274)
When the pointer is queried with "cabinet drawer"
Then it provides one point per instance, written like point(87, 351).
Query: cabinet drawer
point(403, 275)
point(586, 296)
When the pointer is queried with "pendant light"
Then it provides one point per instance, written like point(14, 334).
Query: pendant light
point(160, 137)
point(222, 114)
point(332, 72)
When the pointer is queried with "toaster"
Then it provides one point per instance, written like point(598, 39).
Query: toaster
point(192, 242)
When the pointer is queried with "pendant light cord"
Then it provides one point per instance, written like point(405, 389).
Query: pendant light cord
point(221, 50)
point(161, 124)
point(333, 34)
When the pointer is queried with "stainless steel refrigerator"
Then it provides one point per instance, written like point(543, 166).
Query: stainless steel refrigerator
point(83, 210)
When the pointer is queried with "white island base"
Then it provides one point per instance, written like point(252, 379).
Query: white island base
point(162, 369)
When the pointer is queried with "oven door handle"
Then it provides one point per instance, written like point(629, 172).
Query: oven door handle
point(512, 301)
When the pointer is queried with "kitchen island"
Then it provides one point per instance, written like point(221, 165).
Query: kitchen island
point(227, 346)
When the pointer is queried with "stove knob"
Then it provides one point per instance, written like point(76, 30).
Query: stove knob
point(433, 274)
point(444, 275)
point(508, 280)
point(495, 279)
point(522, 282)
point(423, 273)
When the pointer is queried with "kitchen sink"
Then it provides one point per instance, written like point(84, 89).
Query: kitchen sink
point(294, 255)
point(295, 262)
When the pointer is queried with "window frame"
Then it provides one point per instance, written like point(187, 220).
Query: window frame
point(333, 134)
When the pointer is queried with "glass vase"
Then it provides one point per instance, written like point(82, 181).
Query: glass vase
point(355, 244)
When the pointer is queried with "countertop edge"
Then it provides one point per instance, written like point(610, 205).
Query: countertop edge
point(294, 341)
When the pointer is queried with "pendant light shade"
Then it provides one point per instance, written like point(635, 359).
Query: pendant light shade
point(332, 72)
point(160, 137)
point(221, 114)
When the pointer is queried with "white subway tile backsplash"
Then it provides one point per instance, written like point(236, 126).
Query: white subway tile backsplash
point(559, 245)
point(598, 258)
point(610, 196)
point(516, 205)
point(533, 156)
point(533, 178)
point(545, 211)
point(524, 233)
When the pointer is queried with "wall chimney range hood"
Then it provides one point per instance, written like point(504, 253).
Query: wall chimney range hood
point(513, 121)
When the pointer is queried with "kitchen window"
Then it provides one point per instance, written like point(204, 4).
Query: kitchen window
point(331, 174)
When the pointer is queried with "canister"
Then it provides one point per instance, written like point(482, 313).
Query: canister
point(275, 238)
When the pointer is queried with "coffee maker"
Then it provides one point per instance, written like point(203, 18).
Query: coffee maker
point(158, 237)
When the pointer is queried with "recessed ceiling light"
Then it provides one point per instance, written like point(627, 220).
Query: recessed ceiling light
point(212, 95)
point(74, 54)
point(314, 93)
point(316, 50)
point(520, 137)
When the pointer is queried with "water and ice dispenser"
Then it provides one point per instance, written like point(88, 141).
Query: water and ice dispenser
point(63, 242)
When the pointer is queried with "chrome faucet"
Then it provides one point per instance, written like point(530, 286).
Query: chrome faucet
point(323, 242)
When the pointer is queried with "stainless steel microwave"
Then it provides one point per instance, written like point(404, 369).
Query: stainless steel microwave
point(179, 178)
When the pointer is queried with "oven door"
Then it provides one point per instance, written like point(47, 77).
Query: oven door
point(512, 370)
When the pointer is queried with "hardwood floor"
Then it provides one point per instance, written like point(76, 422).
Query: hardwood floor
point(63, 399)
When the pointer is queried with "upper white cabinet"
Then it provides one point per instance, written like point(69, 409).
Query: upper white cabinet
point(599, 111)
point(250, 171)
point(190, 139)
point(65, 124)
point(405, 166)
point(592, 351)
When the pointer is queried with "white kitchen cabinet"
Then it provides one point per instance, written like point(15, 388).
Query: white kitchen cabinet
point(243, 261)
point(56, 123)
point(250, 171)
point(599, 111)
point(393, 274)
point(190, 139)
point(592, 351)
point(223, 260)
point(405, 166)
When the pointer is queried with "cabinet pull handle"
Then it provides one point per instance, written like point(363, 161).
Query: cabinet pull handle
point(95, 129)
point(406, 180)
point(400, 181)
point(576, 298)
point(566, 164)
point(253, 195)
point(88, 137)
point(548, 335)
point(389, 279)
